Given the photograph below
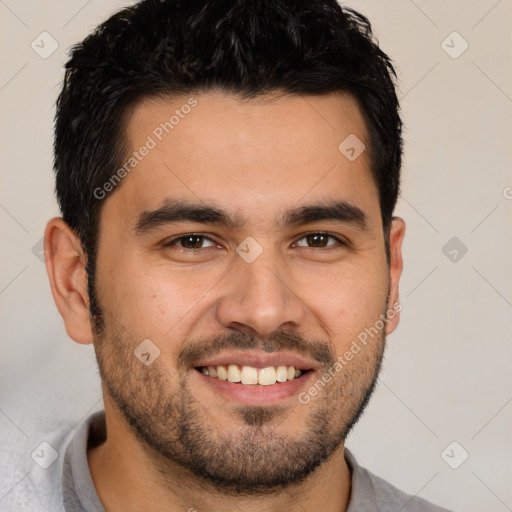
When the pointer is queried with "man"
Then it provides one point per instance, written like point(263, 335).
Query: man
point(227, 174)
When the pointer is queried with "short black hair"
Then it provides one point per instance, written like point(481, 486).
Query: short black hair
point(168, 48)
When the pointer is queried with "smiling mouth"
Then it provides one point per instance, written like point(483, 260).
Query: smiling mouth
point(249, 375)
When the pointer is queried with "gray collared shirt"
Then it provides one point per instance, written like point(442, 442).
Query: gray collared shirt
point(66, 484)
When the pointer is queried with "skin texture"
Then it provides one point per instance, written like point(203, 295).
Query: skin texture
point(173, 440)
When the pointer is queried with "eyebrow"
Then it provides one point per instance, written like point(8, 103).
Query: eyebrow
point(206, 213)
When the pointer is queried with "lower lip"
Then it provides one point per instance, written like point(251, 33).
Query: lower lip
point(254, 394)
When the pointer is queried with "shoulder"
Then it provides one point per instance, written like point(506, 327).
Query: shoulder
point(372, 493)
point(33, 467)
point(37, 465)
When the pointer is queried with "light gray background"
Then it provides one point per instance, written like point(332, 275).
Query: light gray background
point(447, 371)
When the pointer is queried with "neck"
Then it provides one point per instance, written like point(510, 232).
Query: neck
point(125, 473)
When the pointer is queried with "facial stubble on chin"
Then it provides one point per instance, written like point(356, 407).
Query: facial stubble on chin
point(258, 457)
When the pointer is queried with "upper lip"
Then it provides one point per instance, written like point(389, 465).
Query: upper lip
point(258, 359)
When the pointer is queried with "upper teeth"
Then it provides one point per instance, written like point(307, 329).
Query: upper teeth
point(250, 375)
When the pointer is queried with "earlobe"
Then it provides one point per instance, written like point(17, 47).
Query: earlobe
point(396, 237)
point(65, 264)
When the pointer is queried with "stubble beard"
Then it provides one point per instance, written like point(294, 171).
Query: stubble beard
point(257, 458)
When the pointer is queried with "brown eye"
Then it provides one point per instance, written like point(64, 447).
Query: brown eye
point(318, 240)
point(190, 241)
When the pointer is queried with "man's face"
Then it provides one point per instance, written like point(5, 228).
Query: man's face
point(281, 280)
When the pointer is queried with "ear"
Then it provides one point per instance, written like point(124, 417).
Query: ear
point(396, 237)
point(65, 264)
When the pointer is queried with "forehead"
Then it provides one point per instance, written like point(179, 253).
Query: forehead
point(255, 156)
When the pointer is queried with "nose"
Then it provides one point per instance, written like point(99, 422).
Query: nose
point(260, 298)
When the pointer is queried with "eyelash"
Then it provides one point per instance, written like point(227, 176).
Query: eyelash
point(171, 243)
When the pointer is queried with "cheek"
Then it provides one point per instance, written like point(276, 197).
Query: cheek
point(347, 302)
point(151, 301)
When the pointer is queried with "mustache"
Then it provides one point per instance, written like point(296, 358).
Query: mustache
point(284, 340)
